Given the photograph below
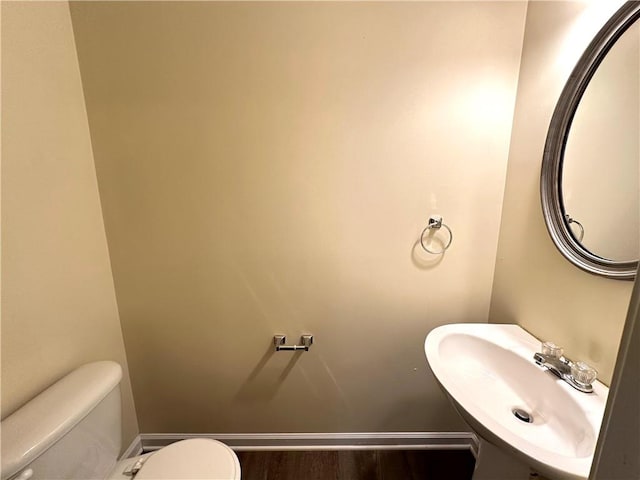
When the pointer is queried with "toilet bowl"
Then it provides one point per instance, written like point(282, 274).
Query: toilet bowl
point(196, 458)
point(72, 431)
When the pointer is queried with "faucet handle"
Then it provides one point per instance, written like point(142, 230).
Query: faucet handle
point(551, 349)
point(583, 374)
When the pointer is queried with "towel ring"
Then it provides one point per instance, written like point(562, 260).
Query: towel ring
point(435, 223)
point(570, 221)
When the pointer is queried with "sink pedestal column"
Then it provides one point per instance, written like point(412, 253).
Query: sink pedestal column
point(494, 464)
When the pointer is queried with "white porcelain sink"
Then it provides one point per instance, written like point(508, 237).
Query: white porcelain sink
point(488, 371)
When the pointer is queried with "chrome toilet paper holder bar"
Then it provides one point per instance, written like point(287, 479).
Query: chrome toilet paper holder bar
point(280, 340)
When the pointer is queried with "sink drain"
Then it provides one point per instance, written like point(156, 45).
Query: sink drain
point(522, 415)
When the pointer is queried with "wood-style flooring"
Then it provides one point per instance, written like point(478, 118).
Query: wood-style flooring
point(357, 465)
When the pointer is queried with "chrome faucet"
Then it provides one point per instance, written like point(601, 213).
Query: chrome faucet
point(558, 366)
point(577, 374)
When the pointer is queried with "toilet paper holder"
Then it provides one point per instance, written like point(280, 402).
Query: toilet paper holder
point(280, 340)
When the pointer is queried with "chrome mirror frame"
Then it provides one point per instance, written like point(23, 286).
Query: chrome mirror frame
point(551, 175)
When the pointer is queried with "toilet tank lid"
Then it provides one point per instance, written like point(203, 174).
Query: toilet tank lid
point(41, 422)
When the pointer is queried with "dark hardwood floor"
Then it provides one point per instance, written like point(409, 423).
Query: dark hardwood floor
point(357, 465)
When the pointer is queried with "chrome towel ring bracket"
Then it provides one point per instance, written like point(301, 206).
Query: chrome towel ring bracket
point(435, 223)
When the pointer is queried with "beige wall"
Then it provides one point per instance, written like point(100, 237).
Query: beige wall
point(616, 456)
point(58, 304)
point(267, 168)
point(533, 284)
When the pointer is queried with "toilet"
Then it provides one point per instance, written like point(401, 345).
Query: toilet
point(72, 431)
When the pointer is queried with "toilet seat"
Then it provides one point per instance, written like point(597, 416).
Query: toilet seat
point(196, 458)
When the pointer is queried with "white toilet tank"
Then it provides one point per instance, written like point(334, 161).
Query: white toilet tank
point(70, 431)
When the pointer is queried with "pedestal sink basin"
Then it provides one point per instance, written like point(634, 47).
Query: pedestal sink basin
point(533, 418)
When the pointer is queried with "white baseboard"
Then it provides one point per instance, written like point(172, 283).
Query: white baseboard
point(134, 449)
point(148, 442)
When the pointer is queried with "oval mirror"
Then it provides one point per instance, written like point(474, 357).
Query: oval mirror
point(590, 182)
